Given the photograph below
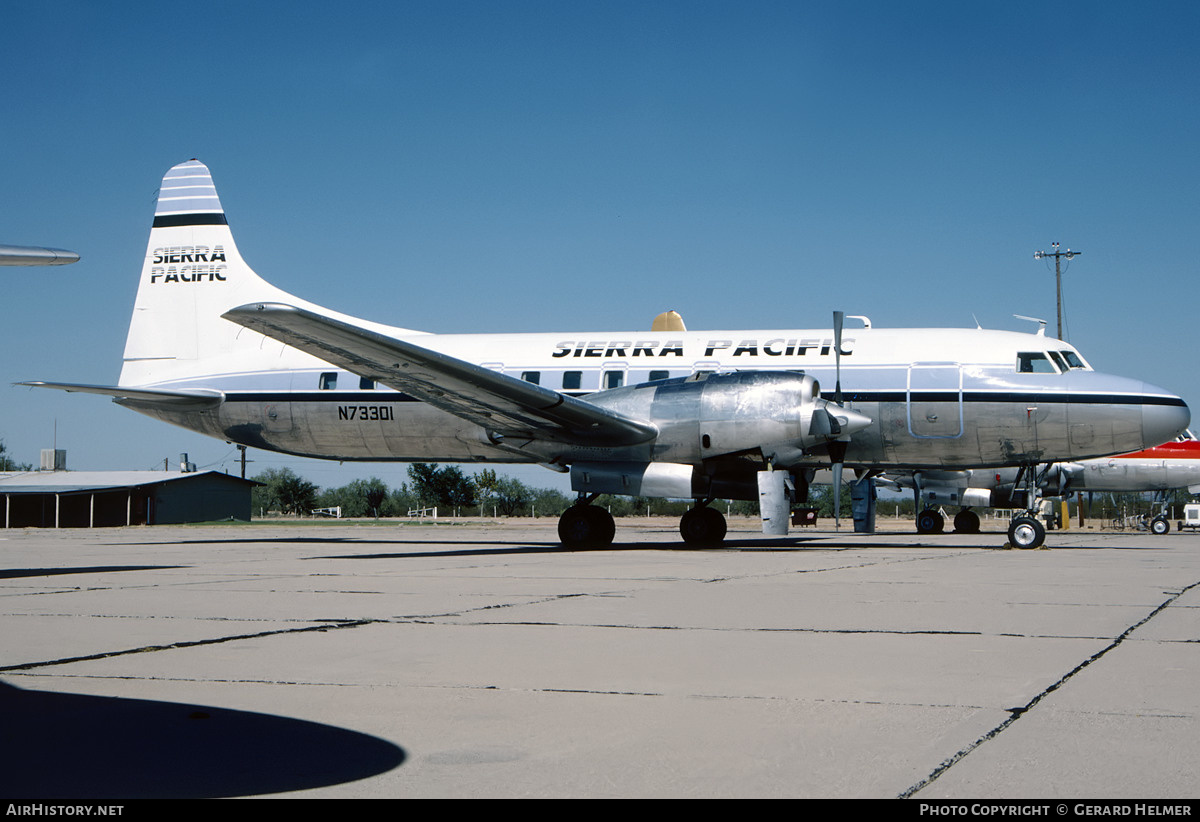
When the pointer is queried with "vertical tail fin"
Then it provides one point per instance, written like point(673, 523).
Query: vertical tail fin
point(192, 273)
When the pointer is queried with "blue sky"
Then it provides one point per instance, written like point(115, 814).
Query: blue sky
point(539, 166)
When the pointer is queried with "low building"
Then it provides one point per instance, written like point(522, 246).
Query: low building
point(92, 499)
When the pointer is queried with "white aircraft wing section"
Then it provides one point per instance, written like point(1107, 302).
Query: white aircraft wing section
point(195, 399)
point(497, 403)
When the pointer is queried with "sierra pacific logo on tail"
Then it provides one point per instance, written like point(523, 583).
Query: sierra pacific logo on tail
point(188, 273)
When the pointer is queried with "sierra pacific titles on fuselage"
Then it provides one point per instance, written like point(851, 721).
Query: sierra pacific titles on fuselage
point(775, 347)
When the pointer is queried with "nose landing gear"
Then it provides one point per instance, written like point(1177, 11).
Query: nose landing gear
point(1026, 532)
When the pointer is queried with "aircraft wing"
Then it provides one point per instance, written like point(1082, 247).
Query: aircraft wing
point(497, 403)
point(196, 399)
point(35, 255)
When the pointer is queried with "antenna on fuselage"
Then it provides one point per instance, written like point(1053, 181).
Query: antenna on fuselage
point(1041, 323)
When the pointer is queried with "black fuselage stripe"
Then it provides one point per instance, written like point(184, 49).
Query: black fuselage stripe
point(368, 397)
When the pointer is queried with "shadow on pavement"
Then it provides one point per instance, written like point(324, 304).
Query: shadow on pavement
point(60, 745)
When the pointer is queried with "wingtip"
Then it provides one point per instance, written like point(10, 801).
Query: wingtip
point(35, 255)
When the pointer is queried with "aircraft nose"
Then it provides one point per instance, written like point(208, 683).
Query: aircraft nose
point(1165, 418)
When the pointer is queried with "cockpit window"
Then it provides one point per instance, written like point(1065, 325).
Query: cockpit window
point(1073, 360)
point(1034, 362)
point(1059, 361)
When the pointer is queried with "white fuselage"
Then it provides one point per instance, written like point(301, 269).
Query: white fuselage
point(937, 397)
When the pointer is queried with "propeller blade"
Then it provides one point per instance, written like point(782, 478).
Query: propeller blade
point(837, 458)
point(839, 319)
point(837, 496)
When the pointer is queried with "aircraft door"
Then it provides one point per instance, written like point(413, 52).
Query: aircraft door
point(276, 415)
point(935, 407)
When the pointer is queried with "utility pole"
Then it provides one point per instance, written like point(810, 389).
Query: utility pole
point(1057, 255)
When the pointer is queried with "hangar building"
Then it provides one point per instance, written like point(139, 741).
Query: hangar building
point(92, 499)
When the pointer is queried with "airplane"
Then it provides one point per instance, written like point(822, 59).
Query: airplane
point(729, 414)
point(35, 255)
point(1162, 468)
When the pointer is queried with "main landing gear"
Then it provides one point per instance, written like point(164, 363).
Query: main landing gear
point(702, 526)
point(584, 525)
point(931, 521)
point(1159, 524)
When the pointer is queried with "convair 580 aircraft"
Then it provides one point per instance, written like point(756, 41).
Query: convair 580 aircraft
point(701, 415)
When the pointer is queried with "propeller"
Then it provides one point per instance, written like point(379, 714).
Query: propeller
point(835, 423)
point(837, 447)
point(839, 319)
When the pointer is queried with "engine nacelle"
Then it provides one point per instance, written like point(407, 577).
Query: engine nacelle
point(711, 415)
point(957, 495)
point(637, 479)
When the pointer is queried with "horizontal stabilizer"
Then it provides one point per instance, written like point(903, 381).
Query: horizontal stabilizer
point(499, 404)
point(195, 399)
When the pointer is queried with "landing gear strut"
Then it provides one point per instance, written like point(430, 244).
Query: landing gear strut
point(1159, 524)
point(1026, 530)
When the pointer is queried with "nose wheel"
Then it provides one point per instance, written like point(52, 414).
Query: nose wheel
point(1026, 532)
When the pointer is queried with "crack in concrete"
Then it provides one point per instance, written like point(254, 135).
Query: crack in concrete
point(26, 666)
point(1019, 711)
point(744, 629)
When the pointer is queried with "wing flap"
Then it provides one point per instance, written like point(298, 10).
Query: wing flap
point(498, 403)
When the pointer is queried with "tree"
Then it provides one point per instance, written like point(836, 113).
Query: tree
point(401, 501)
point(360, 498)
point(445, 487)
point(512, 497)
point(821, 497)
point(284, 491)
point(8, 464)
point(548, 502)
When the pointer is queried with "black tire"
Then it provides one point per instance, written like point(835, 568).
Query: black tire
point(1160, 526)
point(930, 521)
point(586, 526)
point(1026, 532)
point(703, 527)
point(605, 527)
point(966, 522)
